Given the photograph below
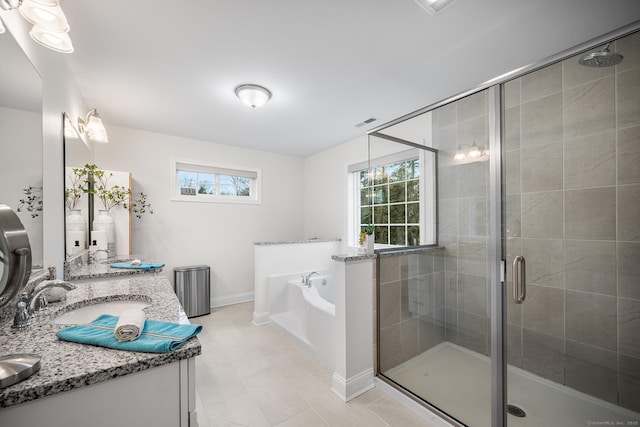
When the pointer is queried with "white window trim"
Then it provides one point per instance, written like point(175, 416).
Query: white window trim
point(256, 189)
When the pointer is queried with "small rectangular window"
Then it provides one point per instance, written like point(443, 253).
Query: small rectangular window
point(207, 182)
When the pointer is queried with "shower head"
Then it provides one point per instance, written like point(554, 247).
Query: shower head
point(602, 58)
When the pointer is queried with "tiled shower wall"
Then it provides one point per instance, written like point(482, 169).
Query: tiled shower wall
point(573, 192)
point(463, 220)
point(572, 138)
point(411, 308)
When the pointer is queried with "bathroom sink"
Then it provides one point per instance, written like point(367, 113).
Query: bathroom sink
point(89, 312)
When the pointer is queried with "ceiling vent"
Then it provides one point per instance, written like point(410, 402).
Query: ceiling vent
point(366, 122)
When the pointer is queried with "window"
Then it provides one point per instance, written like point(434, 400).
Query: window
point(390, 192)
point(204, 182)
point(391, 202)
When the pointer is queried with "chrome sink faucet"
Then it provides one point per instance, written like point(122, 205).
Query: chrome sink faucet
point(92, 256)
point(36, 302)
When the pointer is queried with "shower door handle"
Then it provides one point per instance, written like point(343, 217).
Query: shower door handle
point(519, 279)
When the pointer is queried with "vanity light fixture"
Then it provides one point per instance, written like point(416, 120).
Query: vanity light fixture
point(69, 130)
point(93, 127)
point(253, 95)
point(50, 26)
point(473, 153)
point(433, 6)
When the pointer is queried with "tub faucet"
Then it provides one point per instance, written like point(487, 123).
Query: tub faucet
point(36, 302)
point(306, 279)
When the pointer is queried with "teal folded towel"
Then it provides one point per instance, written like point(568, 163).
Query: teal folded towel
point(141, 266)
point(156, 337)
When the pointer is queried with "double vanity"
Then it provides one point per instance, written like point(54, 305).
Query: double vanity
point(81, 384)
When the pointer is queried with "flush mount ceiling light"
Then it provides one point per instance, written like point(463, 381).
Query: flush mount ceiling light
point(253, 95)
point(50, 26)
point(433, 6)
point(93, 127)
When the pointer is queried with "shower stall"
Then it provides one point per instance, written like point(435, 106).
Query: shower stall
point(524, 309)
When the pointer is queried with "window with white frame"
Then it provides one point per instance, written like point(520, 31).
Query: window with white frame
point(207, 182)
point(391, 193)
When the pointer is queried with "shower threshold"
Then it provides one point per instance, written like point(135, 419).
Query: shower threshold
point(457, 381)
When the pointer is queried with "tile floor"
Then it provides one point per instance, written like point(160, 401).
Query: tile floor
point(256, 376)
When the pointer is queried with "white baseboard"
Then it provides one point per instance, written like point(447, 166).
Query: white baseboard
point(354, 386)
point(260, 319)
point(232, 299)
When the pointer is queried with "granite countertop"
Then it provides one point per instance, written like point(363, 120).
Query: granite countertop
point(103, 270)
point(65, 365)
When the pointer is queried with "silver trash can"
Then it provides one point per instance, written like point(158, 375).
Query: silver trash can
point(193, 288)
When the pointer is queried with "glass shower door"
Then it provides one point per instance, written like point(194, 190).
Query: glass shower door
point(571, 209)
point(434, 304)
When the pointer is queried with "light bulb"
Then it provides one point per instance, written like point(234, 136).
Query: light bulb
point(459, 154)
point(474, 151)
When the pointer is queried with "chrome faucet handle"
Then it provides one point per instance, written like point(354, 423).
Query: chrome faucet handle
point(41, 305)
point(22, 318)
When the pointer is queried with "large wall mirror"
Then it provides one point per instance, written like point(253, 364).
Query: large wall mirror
point(398, 187)
point(21, 141)
point(78, 204)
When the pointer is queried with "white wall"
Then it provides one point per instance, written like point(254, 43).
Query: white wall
point(220, 235)
point(325, 193)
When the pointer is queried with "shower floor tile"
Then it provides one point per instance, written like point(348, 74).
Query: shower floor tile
point(458, 382)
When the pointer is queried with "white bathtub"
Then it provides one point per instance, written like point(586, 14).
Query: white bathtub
point(306, 313)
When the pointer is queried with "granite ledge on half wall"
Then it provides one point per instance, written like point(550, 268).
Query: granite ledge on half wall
point(409, 250)
point(352, 257)
point(296, 242)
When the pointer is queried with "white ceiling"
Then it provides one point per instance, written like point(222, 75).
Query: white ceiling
point(171, 66)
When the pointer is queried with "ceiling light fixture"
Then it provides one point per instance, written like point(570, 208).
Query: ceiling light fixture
point(93, 127)
point(433, 6)
point(50, 26)
point(253, 95)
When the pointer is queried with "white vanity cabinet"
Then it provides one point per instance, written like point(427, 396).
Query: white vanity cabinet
point(163, 396)
point(83, 385)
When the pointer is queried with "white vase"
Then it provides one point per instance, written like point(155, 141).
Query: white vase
point(76, 231)
point(104, 222)
point(369, 243)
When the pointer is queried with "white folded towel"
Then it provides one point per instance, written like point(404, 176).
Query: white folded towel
point(130, 325)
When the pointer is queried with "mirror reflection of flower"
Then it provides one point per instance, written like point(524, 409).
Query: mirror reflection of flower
point(78, 186)
point(116, 195)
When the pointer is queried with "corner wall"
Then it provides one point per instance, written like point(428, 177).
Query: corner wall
point(220, 235)
point(326, 190)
